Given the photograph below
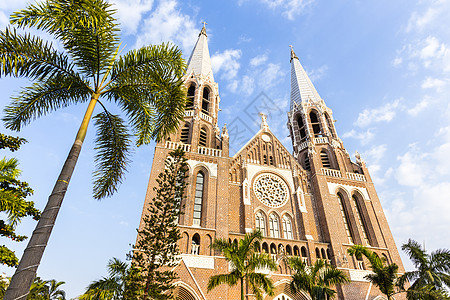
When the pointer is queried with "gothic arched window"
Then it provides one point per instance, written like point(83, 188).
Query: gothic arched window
point(301, 128)
point(325, 159)
point(203, 137)
point(190, 97)
point(195, 249)
point(287, 227)
point(260, 223)
point(198, 199)
point(330, 126)
point(361, 222)
point(315, 123)
point(345, 218)
point(274, 226)
point(205, 101)
point(306, 163)
point(184, 137)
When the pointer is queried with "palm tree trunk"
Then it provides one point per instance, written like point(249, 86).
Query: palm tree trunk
point(242, 289)
point(29, 263)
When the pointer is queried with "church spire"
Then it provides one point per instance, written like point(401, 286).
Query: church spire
point(200, 62)
point(302, 88)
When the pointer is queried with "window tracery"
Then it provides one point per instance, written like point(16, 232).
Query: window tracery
point(271, 190)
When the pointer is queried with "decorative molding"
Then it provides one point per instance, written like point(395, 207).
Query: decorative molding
point(332, 188)
point(358, 275)
point(211, 167)
point(198, 261)
point(309, 237)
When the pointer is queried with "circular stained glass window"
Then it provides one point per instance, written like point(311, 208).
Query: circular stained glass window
point(270, 190)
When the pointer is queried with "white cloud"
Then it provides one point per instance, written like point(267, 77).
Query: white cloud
point(434, 83)
point(410, 173)
point(269, 75)
point(384, 113)
point(418, 22)
point(168, 23)
point(316, 74)
point(130, 13)
point(290, 8)
point(397, 61)
point(364, 137)
point(431, 48)
point(419, 107)
point(258, 60)
point(226, 62)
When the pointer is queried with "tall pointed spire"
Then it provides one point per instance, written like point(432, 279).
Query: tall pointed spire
point(302, 88)
point(200, 62)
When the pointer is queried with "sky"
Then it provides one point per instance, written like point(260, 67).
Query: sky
point(382, 66)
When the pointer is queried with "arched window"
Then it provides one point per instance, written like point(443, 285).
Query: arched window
point(330, 125)
point(325, 159)
point(260, 223)
point(315, 123)
point(205, 101)
point(322, 251)
point(304, 253)
point(361, 222)
point(210, 241)
point(274, 226)
point(198, 200)
point(184, 137)
point(306, 162)
point(296, 251)
point(287, 227)
point(265, 248)
point(288, 250)
point(301, 128)
point(273, 249)
point(203, 137)
point(195, 249)
point(190, 97)
point(317, 253)
point(345, 218)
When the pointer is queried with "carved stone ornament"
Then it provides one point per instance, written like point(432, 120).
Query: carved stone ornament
point(335, 144)
point(271, 190)
point(311, 150)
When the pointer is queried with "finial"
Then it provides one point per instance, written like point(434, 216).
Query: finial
point(203, 31)
point(264, 124)
point(225, 131)
point(293, 53)
point(359, 161)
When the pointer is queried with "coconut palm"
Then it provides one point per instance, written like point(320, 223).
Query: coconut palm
point(145, 84)
point(245, 259)
point(316, 280)
point(384, 276)
point(111, 287)
point(432, 274)
point(46, 290)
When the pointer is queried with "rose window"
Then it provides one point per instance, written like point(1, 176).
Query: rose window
point(270, 190)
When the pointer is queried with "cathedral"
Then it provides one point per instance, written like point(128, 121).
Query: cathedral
point(314, 203)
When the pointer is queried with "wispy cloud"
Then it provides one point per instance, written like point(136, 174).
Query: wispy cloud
point(226, 63)
point(383, 113)
point(130, 13)
point(289, 8)
point(364, 137)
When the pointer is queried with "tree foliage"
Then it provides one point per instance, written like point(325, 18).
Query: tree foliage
point(13, 193)
point(431, 279)
point(156, 248)
point(116, 286)
point(316, 280)
point(246, 260)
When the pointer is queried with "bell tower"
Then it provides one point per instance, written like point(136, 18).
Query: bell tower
point(348, 209)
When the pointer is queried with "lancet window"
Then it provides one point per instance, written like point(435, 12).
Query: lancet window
point(287, 228)
point(274, 226)
point(260, 223)
point(198, 199)
point(301, 128)
point(345, 218)
point(325, 159)
point(184, 137)
point(190, 97)
point(360, 220)
point(205, 101)
point(315, 124)
point(203, 137)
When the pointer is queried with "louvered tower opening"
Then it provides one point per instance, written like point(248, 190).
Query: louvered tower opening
point(306, 162)
point(205, 101)
point(184, 137)
point(190, 97)
point(301, 128)
point(325, 160)
point(203, 137)
point(315, 124)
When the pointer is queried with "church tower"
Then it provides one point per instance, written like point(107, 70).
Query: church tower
point(314, 203)
point(347, 206)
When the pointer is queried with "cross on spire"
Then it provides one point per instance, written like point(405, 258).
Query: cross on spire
point(203, 29)
point(293, 53)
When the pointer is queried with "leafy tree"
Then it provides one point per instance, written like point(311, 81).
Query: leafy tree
point(114, 287)
point(157, 242)
point(245, 259)
point(316, 280)
point(145, 84)
point(384, 275)
point(46, 290)
point(432, 274)
point(12, 199)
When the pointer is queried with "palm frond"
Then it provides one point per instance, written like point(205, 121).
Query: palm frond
point(8, 169)
point(260, 282)
point(42, 98)
point(415, 252)
point(147, 85)
point(216, 280)
point(113, 147)
point(25, 55)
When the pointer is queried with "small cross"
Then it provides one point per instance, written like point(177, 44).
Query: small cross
point(292, 47)
point(204, 24)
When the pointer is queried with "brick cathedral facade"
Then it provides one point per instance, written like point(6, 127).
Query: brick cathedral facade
point(314, 203)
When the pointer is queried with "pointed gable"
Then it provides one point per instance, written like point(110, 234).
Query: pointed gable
point(199, 62)
point(302, 89)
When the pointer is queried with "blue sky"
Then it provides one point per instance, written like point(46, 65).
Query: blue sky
point(382, 66)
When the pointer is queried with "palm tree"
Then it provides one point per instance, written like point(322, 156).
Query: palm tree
point(111, 287)
point(245, 259)
point(316, 280)
point(144, 83)
point(432, 272)
point(384, 275)
point(46, 290)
